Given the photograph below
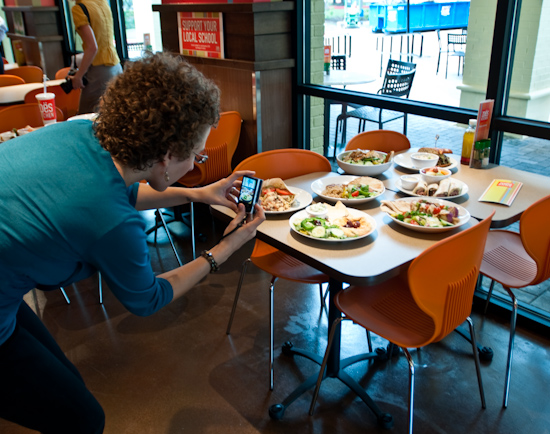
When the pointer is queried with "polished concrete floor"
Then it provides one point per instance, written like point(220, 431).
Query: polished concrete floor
point(177, 371)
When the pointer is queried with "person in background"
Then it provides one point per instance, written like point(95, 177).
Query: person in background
point(100, 61)
point(3, 31)
point(70, 208)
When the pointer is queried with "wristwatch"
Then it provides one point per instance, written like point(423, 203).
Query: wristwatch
point(213, 264)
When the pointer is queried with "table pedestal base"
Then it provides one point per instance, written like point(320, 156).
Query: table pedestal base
point(277, 411)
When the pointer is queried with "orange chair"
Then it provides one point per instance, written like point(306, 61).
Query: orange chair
point(280, 163)
point(10, 80)
point(31, 74)
point(21, 115)
point(516, 260)
point(62, 73)
point(220, 147)
point(379, 140)
point(67, 102)
point(411, 313)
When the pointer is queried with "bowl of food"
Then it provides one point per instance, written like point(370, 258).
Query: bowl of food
point(434, 174)
point(317, 210)
point(364, 163)
point(408, 182)
point(421, 160)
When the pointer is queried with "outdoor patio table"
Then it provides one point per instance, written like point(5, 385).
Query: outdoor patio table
point(381, 255)
point(16, 94)
point(339, 77)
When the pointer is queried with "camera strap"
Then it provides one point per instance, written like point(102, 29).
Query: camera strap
point(74, 66)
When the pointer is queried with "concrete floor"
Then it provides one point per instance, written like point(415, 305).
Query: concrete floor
point(177, 371)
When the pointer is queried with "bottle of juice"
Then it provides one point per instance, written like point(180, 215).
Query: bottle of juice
point(468, 141)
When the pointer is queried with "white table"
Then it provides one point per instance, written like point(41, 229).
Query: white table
point(383, 254)
point(16, 94)
point(373, 259)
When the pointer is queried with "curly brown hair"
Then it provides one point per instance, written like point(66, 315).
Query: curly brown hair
point(159, 103)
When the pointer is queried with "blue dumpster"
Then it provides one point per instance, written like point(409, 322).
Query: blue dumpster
point(423, 16)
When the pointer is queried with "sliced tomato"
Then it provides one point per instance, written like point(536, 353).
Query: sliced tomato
point(437, 210)
point(267, 190)
point(282, 192)
point(355, 193)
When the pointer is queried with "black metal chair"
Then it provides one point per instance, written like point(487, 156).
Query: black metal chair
point(397, 82)
point(338, 61)
point(456, 46)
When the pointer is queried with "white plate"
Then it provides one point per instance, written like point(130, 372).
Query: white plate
point(319, 186)
point(463, 215)
point(404, 160)
point(300, 215)
point(302, 199)
point(360, 169)
point(410, 193)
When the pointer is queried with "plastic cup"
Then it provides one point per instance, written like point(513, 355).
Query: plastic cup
point(46, 103)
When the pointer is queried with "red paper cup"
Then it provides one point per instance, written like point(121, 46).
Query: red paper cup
point(46, 103)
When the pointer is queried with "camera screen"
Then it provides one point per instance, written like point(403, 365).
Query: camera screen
point(250, 192)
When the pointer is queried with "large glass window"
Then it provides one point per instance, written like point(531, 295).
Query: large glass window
point(503, 57)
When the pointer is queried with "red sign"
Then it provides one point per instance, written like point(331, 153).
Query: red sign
point(201, 34)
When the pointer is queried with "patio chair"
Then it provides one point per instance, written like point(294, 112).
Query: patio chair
point(517, 260)
point(456, 46)
point(338, 61)
point(379, 140)
point(10, 80)
point(29, 73)
point(411, 314)
point(280, 163)
point(21, 115)
point(397, 82)
point(67, 102)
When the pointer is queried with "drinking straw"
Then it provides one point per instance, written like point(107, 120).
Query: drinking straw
point(44, 79)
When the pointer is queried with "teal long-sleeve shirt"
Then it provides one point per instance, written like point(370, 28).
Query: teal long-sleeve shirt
point(65, 213)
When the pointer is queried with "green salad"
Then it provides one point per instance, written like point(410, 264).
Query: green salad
point(319, 228)
point(365, 158)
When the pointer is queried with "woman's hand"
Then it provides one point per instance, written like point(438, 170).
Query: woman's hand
point(224, 192)
point(240, 230)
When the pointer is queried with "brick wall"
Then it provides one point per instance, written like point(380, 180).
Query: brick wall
point(317, 60)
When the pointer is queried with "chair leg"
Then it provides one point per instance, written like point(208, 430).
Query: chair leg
point(369, 340)
point(405, 124)
point(324, 364)
point(323, 296)
point(236, 299)
point(489, 294)
point(65, 295)
point(192, 218)
point(100, 287)
point(165, 226)
point(510, 346)
point(411, 388)
point(476, 359)
point(446, 65)
point(438, 58)
point(271, 332)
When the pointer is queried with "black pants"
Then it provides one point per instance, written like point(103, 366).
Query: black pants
point(39, 387)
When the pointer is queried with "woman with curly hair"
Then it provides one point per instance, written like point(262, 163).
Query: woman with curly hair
point(71, 208)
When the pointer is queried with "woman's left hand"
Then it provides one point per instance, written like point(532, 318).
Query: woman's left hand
point(225, 191)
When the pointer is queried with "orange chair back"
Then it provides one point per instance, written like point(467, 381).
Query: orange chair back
point(220, 147)
point(31, 74)
point(442, 279)
point(68, 103)
point(10, 80)
point(379, 140)
point(21, 115)
point(285, 163)
point(62, 73)
point(535, 236)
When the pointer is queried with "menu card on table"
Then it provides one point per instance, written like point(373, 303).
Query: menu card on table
point(501, 191)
